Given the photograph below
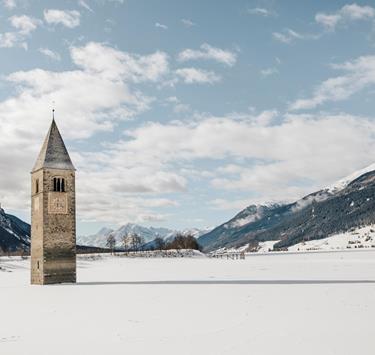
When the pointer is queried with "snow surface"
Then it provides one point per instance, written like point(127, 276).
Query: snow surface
point(358, 238)
point(344, 182)
point(265, 247)
point(305, 303)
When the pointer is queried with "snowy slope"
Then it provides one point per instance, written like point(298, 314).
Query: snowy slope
point(358, 238)
point(347, 204)
point(14, 233)
point(344, 182)
point(98, 239)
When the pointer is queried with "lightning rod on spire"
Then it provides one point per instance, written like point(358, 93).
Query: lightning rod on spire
point(53, 110)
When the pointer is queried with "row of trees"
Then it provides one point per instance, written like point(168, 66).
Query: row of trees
point(134, 242)
point(180, 241)
point(22, 250)
point(129, 242)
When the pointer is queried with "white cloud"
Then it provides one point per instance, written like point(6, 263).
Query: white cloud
point(110, 98)
point(172, 99)
point(294, 156)
point(261, 11)
point(347, 14)
point(24, 26)
point(328, 21)
point(288, 36)
point(197, 76)
point(233, 204)
point(103, 208)
point(188, 23)
point(269, 71)
point(208, 52)
point(265, 156)
point(66, 18)
point(178, 106)
point(357, 12)
point(110, 180)
point(160, 25)
point(109, 76)
point(265, 118)
point(96, 58)
point(85, 5)
point(10, 4)
point(108, 190)
point(359, 74)
point(12, 39)
point(50, 54)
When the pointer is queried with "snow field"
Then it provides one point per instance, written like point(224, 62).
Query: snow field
point(266, 304)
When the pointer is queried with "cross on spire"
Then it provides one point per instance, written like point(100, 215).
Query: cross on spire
point(53, 110)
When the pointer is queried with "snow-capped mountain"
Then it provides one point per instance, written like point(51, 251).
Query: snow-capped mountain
point(347, 204)
point(344, 182)
point(195, 232)
point(14, 233)
point(98, 239)
point(147, 233)
point(252, 218)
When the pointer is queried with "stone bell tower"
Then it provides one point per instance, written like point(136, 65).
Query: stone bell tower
point(53, 213)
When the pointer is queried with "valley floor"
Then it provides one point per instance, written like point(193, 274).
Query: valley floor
point(313, 303)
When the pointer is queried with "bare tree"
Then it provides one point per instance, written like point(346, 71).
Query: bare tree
point(24, 252)
point(137, 241)
point(140, 242)
point(134, 242)
point(159, 243)
point(125, 241)
point(111, 242)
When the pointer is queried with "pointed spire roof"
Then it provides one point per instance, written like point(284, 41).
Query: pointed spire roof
point(53, 154)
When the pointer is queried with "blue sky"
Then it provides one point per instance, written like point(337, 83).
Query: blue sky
point(181, 113)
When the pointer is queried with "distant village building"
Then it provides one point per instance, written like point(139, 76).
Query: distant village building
point(53, 213)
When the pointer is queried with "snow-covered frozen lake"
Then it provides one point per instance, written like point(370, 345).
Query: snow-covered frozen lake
point(315, 303)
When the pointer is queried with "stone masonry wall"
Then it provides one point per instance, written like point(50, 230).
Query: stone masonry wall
point(58, 234)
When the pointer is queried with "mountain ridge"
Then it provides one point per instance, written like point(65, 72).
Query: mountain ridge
point(148, 233)
point(346, 204)
point(14, 233)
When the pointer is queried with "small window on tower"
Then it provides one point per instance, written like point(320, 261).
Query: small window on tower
point(59, 184)
point(37, 186)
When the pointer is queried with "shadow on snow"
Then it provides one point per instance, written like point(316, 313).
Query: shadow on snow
point(227, 282)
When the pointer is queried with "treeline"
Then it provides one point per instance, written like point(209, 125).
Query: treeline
point(134, 242)
point(129, 242)
point(180, 241)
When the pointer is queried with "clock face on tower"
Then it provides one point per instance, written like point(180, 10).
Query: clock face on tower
point(57, 203)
